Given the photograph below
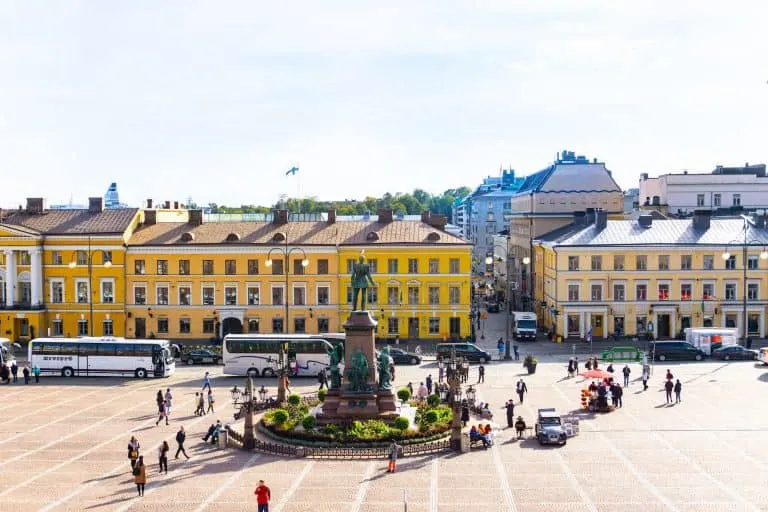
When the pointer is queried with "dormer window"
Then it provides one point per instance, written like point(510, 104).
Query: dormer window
point(188, 237)
point(433, 236)
point(233, 237)
point(372, 236)
point(278, 237)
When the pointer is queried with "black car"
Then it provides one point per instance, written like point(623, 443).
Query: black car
point(403, 357)
point(201, 356)
point(681, 350)
point(493, 307)
point(735, 352)
point(466, 350)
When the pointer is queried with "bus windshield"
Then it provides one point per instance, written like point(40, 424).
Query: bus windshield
point(526, 324)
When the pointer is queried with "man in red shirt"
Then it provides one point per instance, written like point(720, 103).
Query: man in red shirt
point(262, 496)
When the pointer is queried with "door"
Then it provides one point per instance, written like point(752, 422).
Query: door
point(158, 363)
point(141, 328)
point(685, 323)
point(597, 326)
point(413, 328)
point(454, 327)
point(663, 326)
point(618, 325)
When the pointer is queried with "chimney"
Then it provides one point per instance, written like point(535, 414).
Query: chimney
point(331, 216)
point(280, 217)
point(702, 219)
point(95, 204)
point(35, 205)
point(425, 216)
point(590, 219)
point(601, 219)
point(149, 203)
point(385, 215)
point(167, 205)
point(175, 205)
point(438, 221)
point(195, 217)
point(644, 176)
point(645, 220)
point(150, 217)
point(579, 218)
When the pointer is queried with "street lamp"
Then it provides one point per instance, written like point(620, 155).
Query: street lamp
point(454, 394)
point(106, 262)
point(244, 400)
point(507, 297)
point(526, 261)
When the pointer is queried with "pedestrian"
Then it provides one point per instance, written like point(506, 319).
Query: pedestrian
point(263, 495)
point(391, 371)
point(197, 404)
point(392, 454)
point(210, 402)
point(610, 368)
point(669, 375)
point(213, 432)
point(668, 386)
point(5, 374)
point(159, 399)
point(286, 382)
point(36, 372)
point(515, 349)
point(410, 388)
point(140, 475)
point(465, 370)
point(25, 371)
point(168, 402)
point(576, 365)
point(594, 363)
point(428, 381)
point(618, 393)
point(522, 389)
point(678, 388)
point(163, 414)
point(464, 414)
point(162, 455)
point(181, 436)
point(588, 364)
point(440, 371)
point(645, 378)
point(614, 398)
point(500, 346)
point(321, 379)
point(570, 367)
point(510, 407)
point(206, 381)
point(14, 370)
point(480, 374)
point(626, 371)
point(133, 451)
point(422, 393)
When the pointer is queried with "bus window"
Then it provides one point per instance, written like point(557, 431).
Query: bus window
point(106, 349)
point(50, 348)
point(87, 349)
point(142, 350)
point(68, 349)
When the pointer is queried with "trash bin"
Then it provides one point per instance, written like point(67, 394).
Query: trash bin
point(223, 435)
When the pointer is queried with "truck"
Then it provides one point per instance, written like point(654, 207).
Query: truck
point(549, 428)
point(524, 326)
point(708, 339)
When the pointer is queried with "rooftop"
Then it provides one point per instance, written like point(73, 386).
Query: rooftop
point(72, 222)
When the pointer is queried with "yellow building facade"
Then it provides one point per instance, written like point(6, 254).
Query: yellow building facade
point(652, 276)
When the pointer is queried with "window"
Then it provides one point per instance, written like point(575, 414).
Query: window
point(185, 295)
point(434, 295)
point(686, 262)
point(106, 328)
point(24, 258)
point(139, 294)
point(139, 267)
point(413, 266)
point(641, 292)
point(230, 267)
point(350, 265)
point(373, 295)
point(322, 266)
point(618, 292)
point(299, 296)
point(208, 325)
point(663, 291)
point(324, 295)
point(753, 291)
point(453, 265)
point(596, 292)
point(641, 262)
point(107, 291)
point(709, 262)
point(686, 291)
point(277, 325)
point(453, 294)
point(82, 327)
point(230, 295)
point(434, 325)
point(298, 268)
point(597, 262)
point(162, 295)
point(253, 267)
point(82, 257)
point(57, 291)
point(393, 295)
point(393, 326)
point(434, 266)
point(392, 266)
point(253, 295)
point(162, 267)
point(730, 291)
point(730, 263)
point(209, 295)
point(573, 263)
point(162, 325)
point(207, 267)
point(56, 258)
point(58, 328)
point(717, 200)
point(413, 295)
point(277, 267)
point(350, 295)
point(373, 264)
point(573, 292)
point(708, 291)
point(736, 199)
point(277, 295)
point(185, 325)
point(106, 256)
point(183, 267)
point(323, 325)
point(618, 262)
point(752, 262)
point(81, 288)
point(699, 199)
point(663, 262)
point(253, 325)
point(299, 325)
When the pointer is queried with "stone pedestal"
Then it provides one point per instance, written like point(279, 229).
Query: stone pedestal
point(387, 402)
point(360, 329)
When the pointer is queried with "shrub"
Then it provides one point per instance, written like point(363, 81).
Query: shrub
point(401, 422)
point(369, 430)
point(404, 394)
point(294, 399)
point(431, 417)
point(277, 417)
point(321, 395)
point(433, 400)
point(332, 430)
point(308, 422)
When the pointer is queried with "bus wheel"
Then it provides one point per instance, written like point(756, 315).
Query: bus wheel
point(141, 373)
point(67, 372)
point(268, 372)
point(252, 373)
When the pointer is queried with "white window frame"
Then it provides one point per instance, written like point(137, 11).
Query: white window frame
point(84, 281)
point(178, 293)
point(680, 290)
point(756, 259)
point(614, 284)
point(735, 284)
point(104, 323)
point(248, 287)
point(736, 200)
point(167, 294)
point(662, 282)
point(602, 291)
point(202, 293)
point(647, 290)
point(295, 286)
point(60, 281)
point(140, 285)
point(429, 325)
point(714, 288)
point(60, 323)
point(700, 199)
point(82, 332)
point(568, 291)
point(272, 287)
point(317, 293)
point(237, 293)
point(717, 200)
point(102, 282)
point(753, 282)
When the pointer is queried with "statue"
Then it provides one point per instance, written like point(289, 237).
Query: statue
point(336, 355)
point(384, 375)
point(361, 278)
point(358, 374)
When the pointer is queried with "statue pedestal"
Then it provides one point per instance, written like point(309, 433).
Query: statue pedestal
point(387, 402)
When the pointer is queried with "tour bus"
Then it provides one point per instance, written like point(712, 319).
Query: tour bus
point(764, 355)
point(104, 356)
point(709, 339)
point(7, 356)
point(257, 354)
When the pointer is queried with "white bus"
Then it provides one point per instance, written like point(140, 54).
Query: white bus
point(711, 338)
point(102, 357)
point(257, 354)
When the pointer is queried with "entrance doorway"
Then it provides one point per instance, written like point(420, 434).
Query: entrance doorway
point(596, 323)
point(618, 325)
point(663, 322)
point(141, 328)
point(685, 323)
point(413, 328)
point(454, 327)
point(231, 326)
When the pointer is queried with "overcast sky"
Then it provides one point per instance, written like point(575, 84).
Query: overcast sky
point(216, 100)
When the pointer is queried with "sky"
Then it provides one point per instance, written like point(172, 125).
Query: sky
point(216, 100)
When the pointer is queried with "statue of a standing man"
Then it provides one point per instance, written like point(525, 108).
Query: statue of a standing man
point(361, 278)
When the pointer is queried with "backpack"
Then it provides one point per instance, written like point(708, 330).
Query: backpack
point(136, 470)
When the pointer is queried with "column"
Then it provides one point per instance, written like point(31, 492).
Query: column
point(10, 277)
point(36, 284)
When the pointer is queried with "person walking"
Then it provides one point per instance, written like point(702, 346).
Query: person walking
point(440, 371)
point(14, 371)
point(198, 405)
point(25, 371)
point(678, 388)
point(140, 475)
point(515, 349)
point(522, 389)
point(645, 379)
point(626, 371)
point(481, 374)
point(133, 451)
point(668, 386)
point(428, 382)
point(162, 455)
point(263, 495)
point(321, 379)
point(510, 407)
point(392, 454)
point(36, 372)
point(500, 347)
point(669, 375)
point(422, 393)
point(163, 414)
point(168, 400)
point(181, 436)
point(618, 392)
point(210, 401)
point(410, 388)
point(159, 399)
point(206, 381)
point(392, 371)
point(464, 413)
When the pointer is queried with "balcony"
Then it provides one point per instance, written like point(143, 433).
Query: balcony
point(22, 306)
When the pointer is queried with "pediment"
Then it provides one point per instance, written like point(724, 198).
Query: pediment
point(11, 231)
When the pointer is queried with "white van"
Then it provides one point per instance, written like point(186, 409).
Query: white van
point(524, 325)
point(708, 339)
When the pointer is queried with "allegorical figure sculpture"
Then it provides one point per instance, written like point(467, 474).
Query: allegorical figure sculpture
point(336, 355)
point(384, 375)
point(361, 278)
point(357, 376)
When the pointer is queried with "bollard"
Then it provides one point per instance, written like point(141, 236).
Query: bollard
point(223, 438)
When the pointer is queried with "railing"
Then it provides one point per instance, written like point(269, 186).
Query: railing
point(22, 306)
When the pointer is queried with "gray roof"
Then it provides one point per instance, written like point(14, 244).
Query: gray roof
point(661, 232)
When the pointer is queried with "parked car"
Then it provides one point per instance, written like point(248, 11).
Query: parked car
point(201, 357)
point(402, 357)
point(492, 307)
point(735, 352)
point(549, 428)
point(681, 350)
point(466, 350)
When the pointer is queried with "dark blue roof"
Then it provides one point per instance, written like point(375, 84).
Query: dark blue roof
point(534, 182)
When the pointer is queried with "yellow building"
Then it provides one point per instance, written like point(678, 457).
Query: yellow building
point(652, 276)
point(62, 271)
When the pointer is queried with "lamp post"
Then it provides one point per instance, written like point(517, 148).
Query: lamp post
point(526, 261)
point(244, 399)
point(106, 262)
point(286, 253)
point(507, 297)
point(727, 255)
point(454, 392)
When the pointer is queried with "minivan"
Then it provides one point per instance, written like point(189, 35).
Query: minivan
point(668, 350)
point(466, 350)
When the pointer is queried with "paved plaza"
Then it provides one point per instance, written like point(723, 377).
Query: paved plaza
point(64, 448)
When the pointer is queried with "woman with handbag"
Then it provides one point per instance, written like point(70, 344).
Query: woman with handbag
point(140, 475)
point(133, 451)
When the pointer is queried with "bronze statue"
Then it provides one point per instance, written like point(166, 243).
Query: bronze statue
point(336, 355)
point(384, 375)
point(357, 376)
point(361, 278)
